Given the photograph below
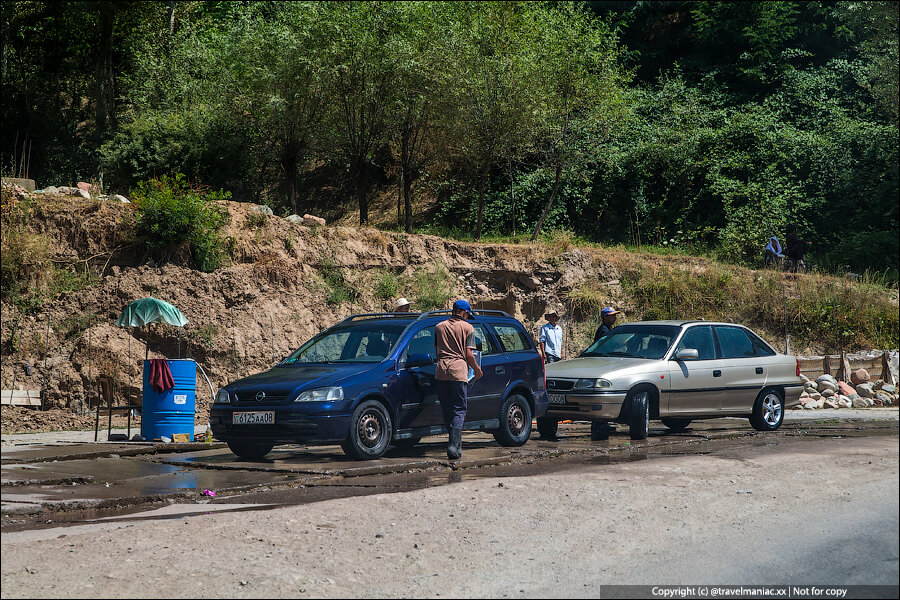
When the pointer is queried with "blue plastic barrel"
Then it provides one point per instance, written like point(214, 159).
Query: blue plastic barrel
point(172, 411)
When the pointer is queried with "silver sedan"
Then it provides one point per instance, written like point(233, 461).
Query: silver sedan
point(676, 371)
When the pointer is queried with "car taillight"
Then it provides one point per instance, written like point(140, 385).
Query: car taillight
point(798, 367)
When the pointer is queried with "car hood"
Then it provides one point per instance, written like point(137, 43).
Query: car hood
point(286, 380)
point(595, 366)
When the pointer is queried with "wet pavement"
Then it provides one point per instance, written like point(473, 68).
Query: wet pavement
point(70, 483)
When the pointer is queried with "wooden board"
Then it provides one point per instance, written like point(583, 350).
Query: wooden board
point(21, 397)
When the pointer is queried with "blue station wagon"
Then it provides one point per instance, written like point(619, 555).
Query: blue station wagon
point(368, 382)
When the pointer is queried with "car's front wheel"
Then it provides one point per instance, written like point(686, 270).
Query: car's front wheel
point(639, 417)
point(370, 431)
point(515, 422)
point(768, 410)
point(250, 450)
point(547, 427)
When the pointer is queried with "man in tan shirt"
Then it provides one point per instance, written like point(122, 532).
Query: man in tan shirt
point(454, 340)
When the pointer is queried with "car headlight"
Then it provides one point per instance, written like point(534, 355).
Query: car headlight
point(328, 394)
point(592, 384)
point(222, 397)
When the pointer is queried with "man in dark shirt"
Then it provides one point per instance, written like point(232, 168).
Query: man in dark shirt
point(795, 247)
point(608, 321)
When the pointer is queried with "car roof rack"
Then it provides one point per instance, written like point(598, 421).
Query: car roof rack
point(475, 313)
point(381, 315)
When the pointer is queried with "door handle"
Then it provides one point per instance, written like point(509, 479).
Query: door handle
point(717, 373)
point(499, 370)
point(759, 370)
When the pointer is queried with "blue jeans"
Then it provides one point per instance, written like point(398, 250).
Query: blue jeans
point(453, 396)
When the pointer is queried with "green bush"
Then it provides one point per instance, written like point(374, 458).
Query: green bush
point(171, 213)
point(387, 285)
point(434, 288)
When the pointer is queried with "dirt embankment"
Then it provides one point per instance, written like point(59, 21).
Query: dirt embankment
point(285, 283)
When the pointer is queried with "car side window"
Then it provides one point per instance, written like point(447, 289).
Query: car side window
point(422, 343)
point(761, 348)
point(512, 339)
point(484, 338)
point(700, 338)
point(734, 343)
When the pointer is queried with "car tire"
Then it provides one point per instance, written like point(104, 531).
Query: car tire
point(407, 442)
point(768, 410)
point(547, 427)
point(675, 424)
point(600, 430)
point(515, 422)
point(370, 431)
point(250, 450)
point(639, 416)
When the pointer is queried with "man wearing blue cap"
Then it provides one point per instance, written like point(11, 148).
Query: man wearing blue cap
point(608, 321)
point(454, 340)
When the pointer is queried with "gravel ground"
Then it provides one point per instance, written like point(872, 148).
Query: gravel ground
point(741, 517)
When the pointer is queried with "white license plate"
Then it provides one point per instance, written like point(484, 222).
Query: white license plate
point(253, 418)
point(557, 398)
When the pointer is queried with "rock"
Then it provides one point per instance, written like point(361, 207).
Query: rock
point(262, 208)
point(804, 378)
point(883, 398)
point(122, 199)
point(482, 289)
point(815, 395)
point(297, 219)
point(809, 405)
point(82, 185)
point(878, 385)
point(844, 402)
point(845, 388)
point(827, 385)
point(828, 393)
point(857, 401)
point(865, 390)
point(312, 219)
point(81, 193)
point(826, 377)
point(529, 281)
point(859, 376)
point(804, 394)
point(830, 403)
point(877, 402)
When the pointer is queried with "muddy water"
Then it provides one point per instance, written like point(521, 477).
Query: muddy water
point(45, 494)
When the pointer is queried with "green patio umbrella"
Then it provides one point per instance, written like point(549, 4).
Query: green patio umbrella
point(150, 310)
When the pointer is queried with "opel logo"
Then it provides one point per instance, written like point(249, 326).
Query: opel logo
point(260, 396)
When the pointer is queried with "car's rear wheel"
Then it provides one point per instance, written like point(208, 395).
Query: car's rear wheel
point(639, 416)
point(768, 410)
point(547, 427)
point(250, 450)
point(675, 424)
point(515, 422)
point(370, 431)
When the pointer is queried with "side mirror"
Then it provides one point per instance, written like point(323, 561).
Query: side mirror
point(687, 354)
point(419, 360)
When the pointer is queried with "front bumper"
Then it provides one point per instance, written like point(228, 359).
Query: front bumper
point(289, 427)
point(581, 406)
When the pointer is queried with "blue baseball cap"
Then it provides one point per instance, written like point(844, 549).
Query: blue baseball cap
point(463, 305)
point(609, 310)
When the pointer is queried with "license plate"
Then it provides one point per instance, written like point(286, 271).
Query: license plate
point(557, 398)
point(253, 418)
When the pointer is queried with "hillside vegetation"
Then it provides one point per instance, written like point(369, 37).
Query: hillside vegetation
point(703, 126)
point(79, 262)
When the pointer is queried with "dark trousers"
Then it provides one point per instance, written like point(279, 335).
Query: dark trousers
point(453, 396)
point(552, 359)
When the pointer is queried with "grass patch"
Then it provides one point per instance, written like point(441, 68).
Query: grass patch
point(338, 289)
point(387, 285)
point(433, 288)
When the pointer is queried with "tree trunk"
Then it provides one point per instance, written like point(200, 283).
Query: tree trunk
point(105, 94)
point(540, 222)
point(407, 198)
point(289, 171)
point(481, 182)
point(361, 192)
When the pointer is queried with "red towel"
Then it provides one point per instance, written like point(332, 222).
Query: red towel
point(160, 375)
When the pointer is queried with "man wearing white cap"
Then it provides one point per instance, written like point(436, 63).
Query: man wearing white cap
point(401, 305)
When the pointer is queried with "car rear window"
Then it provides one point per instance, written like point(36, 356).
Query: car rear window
point(512, 339)
point(761, 347)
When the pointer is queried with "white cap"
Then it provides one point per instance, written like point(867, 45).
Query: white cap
point(400, 302)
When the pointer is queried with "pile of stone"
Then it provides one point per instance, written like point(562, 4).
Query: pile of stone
point(827, 392)
point(82, 190)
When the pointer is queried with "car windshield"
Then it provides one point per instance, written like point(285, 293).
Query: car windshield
point(357, 343)
point(635, 341)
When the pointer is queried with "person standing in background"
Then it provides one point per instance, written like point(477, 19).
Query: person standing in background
point(550, 338)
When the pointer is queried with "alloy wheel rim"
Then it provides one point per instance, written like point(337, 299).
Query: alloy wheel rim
point(772, 409)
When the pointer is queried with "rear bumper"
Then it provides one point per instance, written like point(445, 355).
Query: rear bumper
point(603, 405)
point(792, 395)
point(541, 403)
point(289, 427)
